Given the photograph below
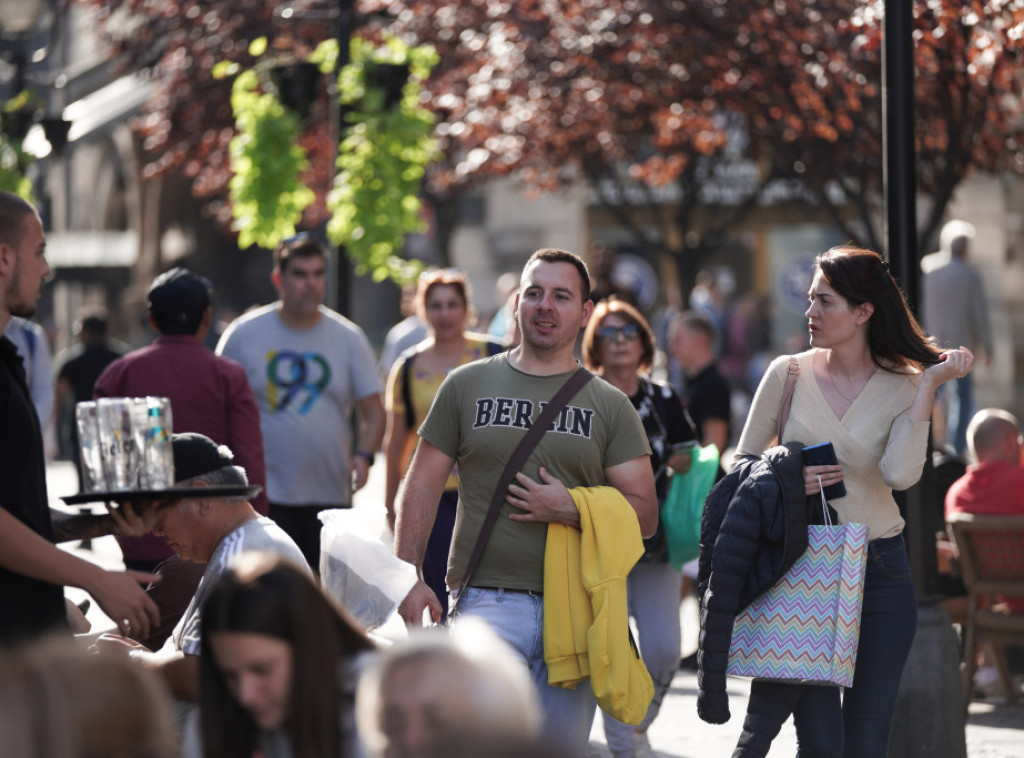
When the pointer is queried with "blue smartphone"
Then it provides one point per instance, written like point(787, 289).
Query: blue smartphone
point(824, 455)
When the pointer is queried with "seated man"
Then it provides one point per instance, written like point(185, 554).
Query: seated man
point(992, 486)
point(209, 530)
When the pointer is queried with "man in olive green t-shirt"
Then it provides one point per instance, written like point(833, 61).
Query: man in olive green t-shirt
point(478, 417)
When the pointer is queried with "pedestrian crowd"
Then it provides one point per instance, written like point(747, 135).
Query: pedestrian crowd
point(525, 469)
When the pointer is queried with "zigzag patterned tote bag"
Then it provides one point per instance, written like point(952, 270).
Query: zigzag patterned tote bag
point(806, 626)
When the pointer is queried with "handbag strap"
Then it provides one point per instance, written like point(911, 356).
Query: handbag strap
point(787, 396)
point(516, 461)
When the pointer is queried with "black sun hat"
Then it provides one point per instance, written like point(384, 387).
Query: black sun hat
point(196, 454)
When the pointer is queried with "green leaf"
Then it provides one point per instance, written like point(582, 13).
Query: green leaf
point(257, 47)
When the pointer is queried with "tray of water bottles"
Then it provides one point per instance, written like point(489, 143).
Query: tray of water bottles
point(127, 457)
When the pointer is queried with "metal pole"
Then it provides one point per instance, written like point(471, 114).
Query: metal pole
point(929, 713)
point(900, 186)
point(344, 267)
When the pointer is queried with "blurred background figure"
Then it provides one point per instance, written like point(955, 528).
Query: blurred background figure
point(705, 391)
point(603, 283)
point(406, 333)
point(439, 689)
point(443, 303)
point(78, 368)
point(34, 348)
point(710, 296)
point(57, 701)
point(619, 346)
point(503, 323)
point(278, 666)
point(955, 312)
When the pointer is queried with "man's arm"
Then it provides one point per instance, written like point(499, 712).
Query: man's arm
point(118, 593)
point(370, 410)
point(715, 431)
point(549, 501)
point(84, 526)
point(417, 508)
point(179, 670)
point(635, 480)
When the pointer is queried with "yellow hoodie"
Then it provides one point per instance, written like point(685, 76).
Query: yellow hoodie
point(586, 617)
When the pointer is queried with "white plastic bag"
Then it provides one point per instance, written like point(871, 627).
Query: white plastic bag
point(358, 570)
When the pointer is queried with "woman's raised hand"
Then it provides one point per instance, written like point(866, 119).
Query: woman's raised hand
point(954, 365)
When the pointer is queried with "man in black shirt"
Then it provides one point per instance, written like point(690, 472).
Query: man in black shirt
point(32, 568)
point(78, 369)
point(705, 393)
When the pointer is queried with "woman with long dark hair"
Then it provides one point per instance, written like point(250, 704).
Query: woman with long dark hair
point(867, 386)
point(277, 671)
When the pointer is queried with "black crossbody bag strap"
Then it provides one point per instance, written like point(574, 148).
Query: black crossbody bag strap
point(515, 462)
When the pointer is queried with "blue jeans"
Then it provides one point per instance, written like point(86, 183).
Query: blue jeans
point(518, 618)
point(653, 592)
point(961, 409)
point(858, 724)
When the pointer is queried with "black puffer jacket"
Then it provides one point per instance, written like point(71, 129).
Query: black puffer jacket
point(753, 528)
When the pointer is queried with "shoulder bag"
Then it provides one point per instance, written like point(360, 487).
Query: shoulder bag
point(515, 462)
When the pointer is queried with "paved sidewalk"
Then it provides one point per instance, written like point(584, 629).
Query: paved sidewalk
point(994, 730)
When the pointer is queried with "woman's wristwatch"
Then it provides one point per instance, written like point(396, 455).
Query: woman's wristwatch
point(366, 455)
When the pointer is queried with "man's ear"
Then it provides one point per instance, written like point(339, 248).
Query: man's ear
point(7, 257)
point(588, 311)
point(275, 279)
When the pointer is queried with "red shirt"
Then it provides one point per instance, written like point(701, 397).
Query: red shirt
point(209, 395)
point(989, 489)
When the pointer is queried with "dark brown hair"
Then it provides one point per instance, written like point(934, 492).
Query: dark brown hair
point(895, 338)
point(591, 345)
point(13, 212)
point(265, 594)
point(301, 245)
point(554, 255)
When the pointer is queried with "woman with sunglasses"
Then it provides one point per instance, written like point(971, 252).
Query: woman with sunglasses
point(443, 301)
point(619, 346)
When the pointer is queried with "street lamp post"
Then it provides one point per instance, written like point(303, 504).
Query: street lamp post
point(929, 718)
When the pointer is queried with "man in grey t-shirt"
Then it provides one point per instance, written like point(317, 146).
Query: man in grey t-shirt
point(955, 313)
point(201, 529)
point(309, 369)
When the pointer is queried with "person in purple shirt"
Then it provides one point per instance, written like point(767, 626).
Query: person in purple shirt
point(209, 395)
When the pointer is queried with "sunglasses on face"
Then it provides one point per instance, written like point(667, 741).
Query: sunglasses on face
point(612, 333)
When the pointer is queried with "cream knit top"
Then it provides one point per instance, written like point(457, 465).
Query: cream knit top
point(879, 447)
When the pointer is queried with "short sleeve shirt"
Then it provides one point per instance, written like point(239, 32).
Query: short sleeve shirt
point(307, 383)
point(479, 415)
point(256, 534)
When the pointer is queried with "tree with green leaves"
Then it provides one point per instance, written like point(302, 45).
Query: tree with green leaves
point(268, 169)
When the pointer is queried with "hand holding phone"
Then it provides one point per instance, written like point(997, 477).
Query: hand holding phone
point(824, 455)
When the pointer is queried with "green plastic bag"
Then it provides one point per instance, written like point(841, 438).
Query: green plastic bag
point(684, 504)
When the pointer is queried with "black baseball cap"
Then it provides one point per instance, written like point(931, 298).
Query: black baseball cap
point(196, 454)
point(177, 300)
